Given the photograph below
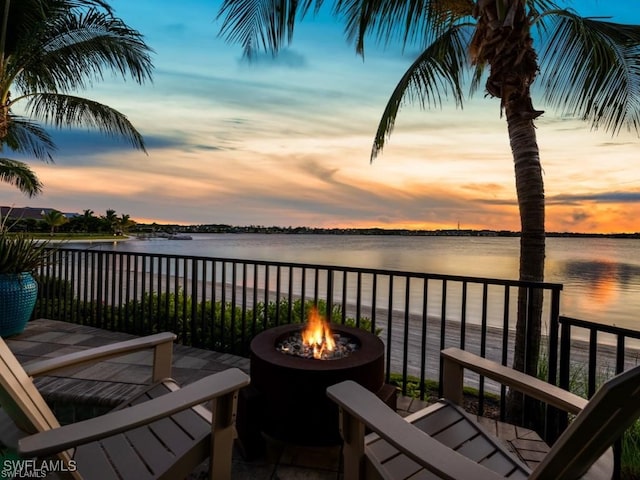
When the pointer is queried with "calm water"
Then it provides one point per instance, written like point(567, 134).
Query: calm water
point(601, 276)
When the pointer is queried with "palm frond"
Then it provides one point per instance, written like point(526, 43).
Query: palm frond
point(537, 10)
point(66, 110)
point(90, 3)
point(591, 69)
point(541, 5)
point(435, 74)
point(75, 48)
point(25, 136)
point(261, 24)
point(417, 21)
point(49, 6)
point(20, 175)
point(476, 78)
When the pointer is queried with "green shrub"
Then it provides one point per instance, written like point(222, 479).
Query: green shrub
point(217, 326)
point(630, 461)
point(413, 387)
point(54, 287)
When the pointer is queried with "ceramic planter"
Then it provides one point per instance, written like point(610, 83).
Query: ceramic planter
point(18, 295)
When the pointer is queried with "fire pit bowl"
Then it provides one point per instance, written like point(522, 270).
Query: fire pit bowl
point(292, 389)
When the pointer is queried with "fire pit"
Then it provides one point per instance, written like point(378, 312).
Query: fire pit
point(292, 388)
point(317, 340)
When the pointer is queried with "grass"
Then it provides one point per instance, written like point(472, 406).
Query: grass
point(491, 405)
point(77, 236)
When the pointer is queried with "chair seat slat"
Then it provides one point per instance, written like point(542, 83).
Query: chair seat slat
point(154, 453)
point(401, 467)
point(192, 424)
point(500, 463)
point(457, 434)
point(125, 458)
point(477, 448)
point(171, 435)
point(92, 458)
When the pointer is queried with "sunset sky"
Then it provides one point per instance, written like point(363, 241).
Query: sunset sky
point(286, 141)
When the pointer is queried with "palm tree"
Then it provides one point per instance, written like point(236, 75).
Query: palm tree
point(87, 219)
point(54, 219)
point(124, 223)
point(110, 220)
point(589, 68)
point(49, 49)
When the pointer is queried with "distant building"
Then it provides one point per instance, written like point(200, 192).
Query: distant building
point(29, 212)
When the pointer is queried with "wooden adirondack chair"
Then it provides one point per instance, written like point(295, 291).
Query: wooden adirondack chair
point(163, 433)
point(443, 441)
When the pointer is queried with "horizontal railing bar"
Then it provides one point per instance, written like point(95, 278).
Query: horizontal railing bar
point(600, 327)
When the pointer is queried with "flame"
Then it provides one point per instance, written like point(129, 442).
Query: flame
point(317, 335)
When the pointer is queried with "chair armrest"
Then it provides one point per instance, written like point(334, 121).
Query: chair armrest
point(455, 360)
point(43, 367)
point(68, 436)
point(363, 406)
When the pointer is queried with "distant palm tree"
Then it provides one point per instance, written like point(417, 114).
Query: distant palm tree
point(589, 68)
point(87, 219)
point(124, 223)
point(54, 219)
point(50, 48)
point(110, 220)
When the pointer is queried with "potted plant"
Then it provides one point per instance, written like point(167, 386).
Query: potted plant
point(19, 257)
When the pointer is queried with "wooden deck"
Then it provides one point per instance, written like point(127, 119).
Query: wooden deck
point(91, 390)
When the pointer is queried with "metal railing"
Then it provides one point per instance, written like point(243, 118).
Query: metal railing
point(221, 303)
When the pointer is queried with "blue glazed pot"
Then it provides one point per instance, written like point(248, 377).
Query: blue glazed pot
point(18, 295)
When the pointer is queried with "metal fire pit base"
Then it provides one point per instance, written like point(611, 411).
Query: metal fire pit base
point(288, 399)
point(251, 413)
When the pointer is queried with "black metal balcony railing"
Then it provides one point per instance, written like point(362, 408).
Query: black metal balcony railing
point(221, 304)
point(416, 314)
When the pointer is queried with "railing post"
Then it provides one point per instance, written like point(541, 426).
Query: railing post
point(552, 428)
point(99, 290)
point(617, 446)
point(443, 331)
point(565, 356)
point(329, 294)
point(195, 339)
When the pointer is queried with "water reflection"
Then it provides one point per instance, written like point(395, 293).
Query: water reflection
point(601, 290)
point(602, 271)
point(602, 278)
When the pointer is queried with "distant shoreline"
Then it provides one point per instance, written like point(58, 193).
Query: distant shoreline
point(220, 228)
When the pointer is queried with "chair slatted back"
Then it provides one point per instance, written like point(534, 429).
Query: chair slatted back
point(22, 401)
point(614, 407)
point(20, 398)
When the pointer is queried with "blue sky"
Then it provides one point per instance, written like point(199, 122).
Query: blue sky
point(286, 140)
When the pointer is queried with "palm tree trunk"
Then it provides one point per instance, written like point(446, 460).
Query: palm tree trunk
point(4, 100)
point(502, 40)
point(530, 191)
